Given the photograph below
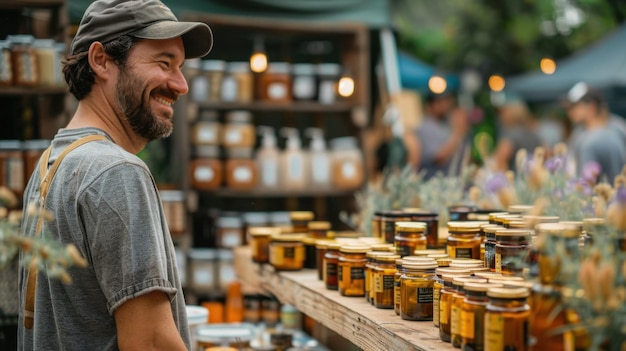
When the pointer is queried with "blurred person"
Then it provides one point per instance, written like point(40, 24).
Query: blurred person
point(598, 135)
point(515, 132)
point(441, 137)
point(124, 68)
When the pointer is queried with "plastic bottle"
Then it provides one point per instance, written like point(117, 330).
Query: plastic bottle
point(293, 163)
point(268, 158)
point(319, 160)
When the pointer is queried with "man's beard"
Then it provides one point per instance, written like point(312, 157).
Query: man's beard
point(130, 96)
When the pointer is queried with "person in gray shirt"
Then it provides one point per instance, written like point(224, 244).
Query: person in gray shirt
point(124, 68)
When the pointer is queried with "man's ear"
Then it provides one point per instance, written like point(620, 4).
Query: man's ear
point(99, 61)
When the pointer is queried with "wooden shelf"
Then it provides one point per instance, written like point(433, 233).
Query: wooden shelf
point(4, 91)
point(281, 193)
point(352, 317)
point(296, 106)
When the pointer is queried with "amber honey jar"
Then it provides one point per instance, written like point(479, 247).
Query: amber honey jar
point(472, 315)
point(321, 246)
point(319, 229)
point(432, 225)
point(331, 269)
point(464, 240)
point(287, 252)
point(377, 221)
point(512, 250)
point(351, 270)
point(507, 319)
point(562, 235)
point(241, 170)
point(548, 315)
point(300, 220)
point(310, 253)
point(206, 169)
point(460, 213)
point(383, 275)
point(388, 226)
point(490, 246)
point(260, 238)
point(456, 305)
point(445, 305)
point(410, 236)
point(438, 285)
point(416, 290)
point(370, 265)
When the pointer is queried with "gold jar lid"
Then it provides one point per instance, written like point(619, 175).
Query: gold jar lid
point(493, 215)
point(519, 209)
point(475, 270)
point(383, 247)
point(387, 258)
point(263, 231)
point(509, 278)
point(464, 227)
point(594, 221)
point(449, 277)
point(413, 259)
point(519, 224)
point(487, 275)
point(307, 240)
point(289, 238)
point(437, 256)
point(480, 287)
point(514, 235)
point(375, 254)
point(508, 220)
point(322, 244)
point(508, 293)
point(466, 263)
point(516, 284)
point(501, 218)
point(565, 230)
point(369, 240)
point(423, 265)
point(301, 215)
point(334, 246)
point(541, 219)
point(355, 249)
point(424, 253)
point(319, 225)
point(459, 281)
point(490, 232)
point(411, 227)
point(488, 225)
point(447, 270)
point(481, 217)
point(348, 234)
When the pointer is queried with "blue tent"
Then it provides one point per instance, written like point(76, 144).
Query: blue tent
point(414, 74)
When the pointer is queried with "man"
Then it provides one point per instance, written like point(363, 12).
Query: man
point(598, 136)
point(124, 68)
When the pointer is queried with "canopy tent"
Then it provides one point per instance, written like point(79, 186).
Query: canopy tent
point(414, 74)
point(602, 65)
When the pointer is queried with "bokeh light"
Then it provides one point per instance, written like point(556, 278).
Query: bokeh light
point(258, 62)
point(547, 65)
point(437, 84)
point(496, 83)
point(345, 87)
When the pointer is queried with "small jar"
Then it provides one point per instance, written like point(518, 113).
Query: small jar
point(370, 264)
point(237, 83)
point(287, 252)
point(328, 74)
point(276, 82)
point(445, 306)
point(389, 219)
point(310, 255)
point(251, 308)
point(321, 246)
point(490, 246)
point(6, 67)
point(409, 237)
point(239, 132)
point(304, 82)
point(319, 229)
point(174, 210)
point(32, 150)
point(416, 291)
point(206, 169)
point(460, 213)
point(214, 71)
point(12, 165)
point(512, 250)
point(202, 269)
point(331, 261)
point(198, 83)
point(432, 225)
point(24, 60)
point(260, 238)
point(347, 163)
point(300, 220)
point(457, 304)
point(507, 319)
point(464, 240)
point(241, 170)
point(548, 315)
point(49, 61)
point(207, 130)
point(383, 274)
point(552, 269)
point(230, 232)
point(438, 285)
point(377, 219)
point(472, 318)
point(351, 270)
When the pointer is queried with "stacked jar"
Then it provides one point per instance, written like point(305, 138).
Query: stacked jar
point(239, 137)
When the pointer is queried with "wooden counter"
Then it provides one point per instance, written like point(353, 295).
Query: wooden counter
point(353, 318)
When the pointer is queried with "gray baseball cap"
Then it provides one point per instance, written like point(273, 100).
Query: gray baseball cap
point(105, 20)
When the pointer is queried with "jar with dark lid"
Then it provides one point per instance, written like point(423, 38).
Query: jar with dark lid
point(24, 60)
point(207, 129)
point(328, 77)
point(512, 250)
point(241, 170)
point(32, 150)
point(6, 66)
point(304, 82)
point(174, 210)
point(566, 236)
point(460, 213)
point(319, 229)
point(507, 319)
point(409, 237)
point(260, 238)
point(438, 285)
point(389, 224)
point(300, 220)
point(490, 246)
point(214, 70)
point(230, 232)
point(351, 270)
point(457, 304)
point(205, 170)
point(331, 260)
point(464, 240)
point(238, 131)
point(472, 317)
point(287, 252)
point(381, 290)
point(310, 253)
point(276, 82)
point(416, 290)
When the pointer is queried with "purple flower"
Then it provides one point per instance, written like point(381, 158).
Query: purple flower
point(556, 163)
point(580, 185)
point(591, 170)
point(496, 182)
point(621, 195)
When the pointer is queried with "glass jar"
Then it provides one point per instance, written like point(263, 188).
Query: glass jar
point(300, 220)
point(276, 83)
point(304, 82)
point(328, 74)
point(32, 150)
point(388, 227)
point(319, 229)
point(260, 238)
point(237, 83)
point(370, 264)
point(438, 285)
point(6, 67)
point(377, 221)
point(174, 210)
point(507, 319)
point(239, 132)
point(460, 213)
point(310, 255)
point(445, 306)
point(383, 274)
point(49, 61)
point(548, 315)
point(409, 237)
point(206, 170)
point(207, 130)
point(347, 163)
point(24, 60)
point(241, 170)
point(512, 250)
point(457, 304)
point(12, 165)
point(321, 247)
point(416, 290)
point(351, 270)
point(287, 252)
point(198, 83)
point(331, 260)
point(202, 269)
point(464, 240)
point(214, 71)
point(566, 237)
point(230, 231)
point(472, 315)
point(432, 225)
point(490, 246)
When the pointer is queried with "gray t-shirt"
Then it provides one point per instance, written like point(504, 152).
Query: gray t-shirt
point(105, 202)
point(604, 146)
point(432, 135)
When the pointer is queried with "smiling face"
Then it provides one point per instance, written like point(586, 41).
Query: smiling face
point(149, 83)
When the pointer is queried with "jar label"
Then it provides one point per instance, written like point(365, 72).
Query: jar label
point(229, 89)
point(425, 295)
point(463, 253)
point(242, 174)
point(348, 170)
point(231, 238)
point(304, 87)
point(388, 282)
point(233, 137)
point(444, 311)
point(357, 273)
point(498, 263)
point(206, 135)
point(494, 331)
point(331, 270)
point(277, 91)
point(203, 276)
point(455, 320)
point(468, 325)
point(204, 174)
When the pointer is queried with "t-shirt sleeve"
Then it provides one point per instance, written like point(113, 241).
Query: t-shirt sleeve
point(124, 223)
